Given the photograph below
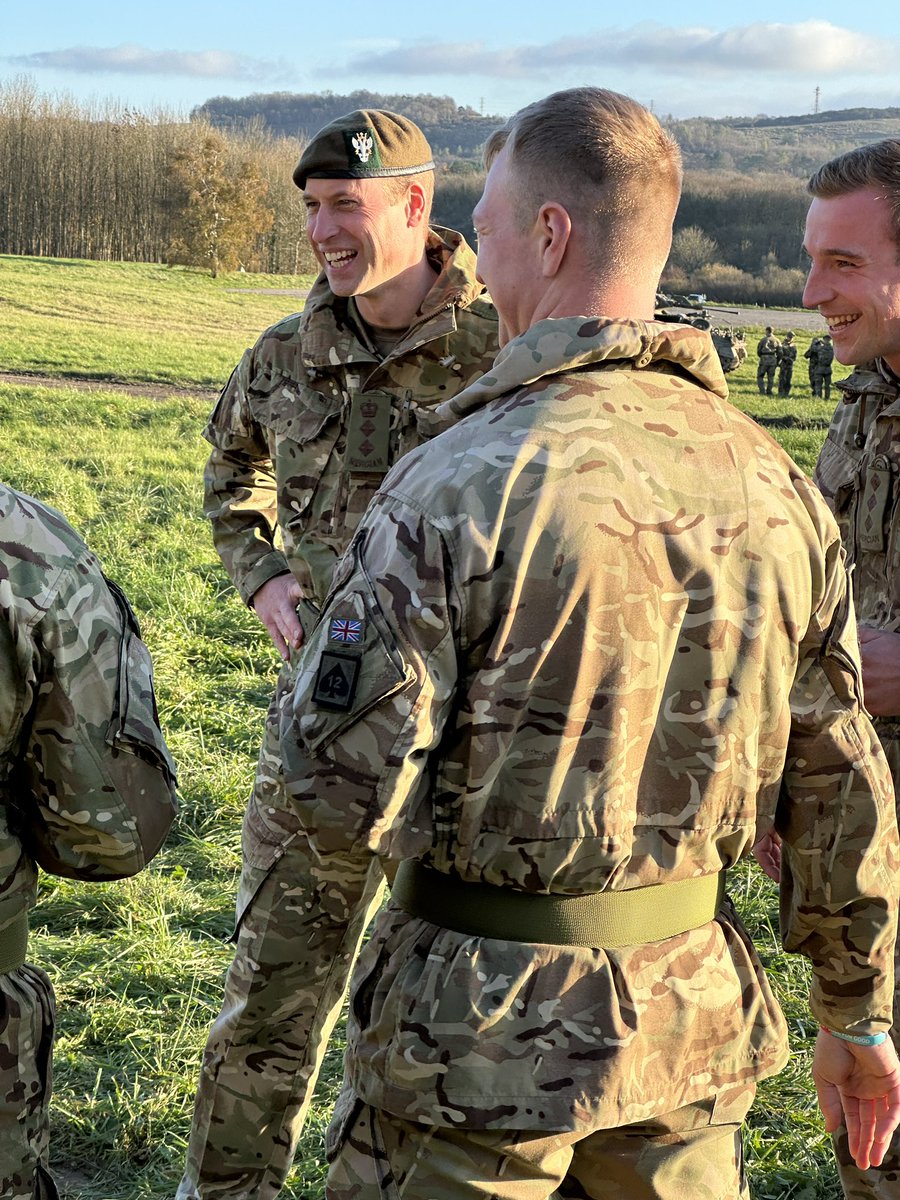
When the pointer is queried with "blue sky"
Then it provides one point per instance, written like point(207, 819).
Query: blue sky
point(688, 59)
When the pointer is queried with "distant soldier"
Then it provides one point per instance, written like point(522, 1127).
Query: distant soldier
point(768, 351)
point(86, 784)
point(813, 355)
point(821, 374)
point(786, 367)
point(740, 346)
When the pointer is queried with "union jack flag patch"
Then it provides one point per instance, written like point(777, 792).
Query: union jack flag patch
point(342, 629)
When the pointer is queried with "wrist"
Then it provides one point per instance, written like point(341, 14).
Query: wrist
point(857, 1039)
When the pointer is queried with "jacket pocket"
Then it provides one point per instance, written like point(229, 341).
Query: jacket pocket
point(352, 664)
point(303, 428)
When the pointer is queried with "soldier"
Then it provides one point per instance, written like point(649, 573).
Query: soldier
point(302, 436)
point(768, 351)
point(853, 240)
point(821, 368)
point(86, 780)
point(552, 718)
point(786, 368)
point(813, 355)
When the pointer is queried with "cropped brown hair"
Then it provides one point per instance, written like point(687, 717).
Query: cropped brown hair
point(875, 166)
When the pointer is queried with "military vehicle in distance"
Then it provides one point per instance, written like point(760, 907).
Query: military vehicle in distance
point(684, 310)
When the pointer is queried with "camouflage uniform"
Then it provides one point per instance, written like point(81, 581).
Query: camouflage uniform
point(582, 667)
point(859, 474)
point(302, 436)
point(86, 784)
point(768, 351)
point(786, 367)
point(820, 369)
point(813, 355)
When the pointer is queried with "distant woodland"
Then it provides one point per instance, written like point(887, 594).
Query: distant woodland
point(215, 190)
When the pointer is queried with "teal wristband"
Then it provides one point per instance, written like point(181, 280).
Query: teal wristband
point(861, 1039)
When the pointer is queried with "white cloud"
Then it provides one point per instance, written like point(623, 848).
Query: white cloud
point(808, 47)
point(138, 60)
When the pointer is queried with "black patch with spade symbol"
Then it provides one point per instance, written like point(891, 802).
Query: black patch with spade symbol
point(336, 681)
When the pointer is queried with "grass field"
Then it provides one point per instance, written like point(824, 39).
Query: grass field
point(138, 965)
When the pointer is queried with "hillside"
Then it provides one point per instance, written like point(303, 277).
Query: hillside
point(453, 130)
point(793, 145)
point(785, 145)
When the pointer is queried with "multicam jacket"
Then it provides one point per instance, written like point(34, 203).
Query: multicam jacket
point(594, 636)
point(86, 781)
point(858, 472)
point(768, 347)
point(312, 418)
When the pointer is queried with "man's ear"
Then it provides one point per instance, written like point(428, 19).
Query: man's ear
point(554, 229)
point(416, 205)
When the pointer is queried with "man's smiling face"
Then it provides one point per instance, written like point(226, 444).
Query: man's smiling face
point(854, 275)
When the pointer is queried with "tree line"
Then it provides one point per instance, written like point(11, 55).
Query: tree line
point(111, 183)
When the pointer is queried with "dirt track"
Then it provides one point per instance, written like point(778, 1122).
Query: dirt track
point(154, 391)
point(778, 318)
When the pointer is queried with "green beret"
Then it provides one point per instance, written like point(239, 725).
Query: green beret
point(368, 143)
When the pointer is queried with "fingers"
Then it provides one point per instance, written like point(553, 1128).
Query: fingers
point(288, 625)
point(278, 639)
point(859, 1117)
point(830, 1103)
point(767, 853)
point(276, 606)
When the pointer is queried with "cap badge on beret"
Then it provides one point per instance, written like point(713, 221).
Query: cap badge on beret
point(363, 146)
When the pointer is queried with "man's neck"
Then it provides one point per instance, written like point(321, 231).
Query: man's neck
point(396, 303)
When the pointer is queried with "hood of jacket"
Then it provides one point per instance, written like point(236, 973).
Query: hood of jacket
point(561, 344)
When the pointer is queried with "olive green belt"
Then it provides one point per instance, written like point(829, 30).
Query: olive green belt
point(601, 919)
point(14, 943)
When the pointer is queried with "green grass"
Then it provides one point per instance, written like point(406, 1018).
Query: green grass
point(132, 321)
point(138, 965)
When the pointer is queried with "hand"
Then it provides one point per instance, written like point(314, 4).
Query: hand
point(880, 653)
point(767, 853)
point(275, 603)
point(859, 1087)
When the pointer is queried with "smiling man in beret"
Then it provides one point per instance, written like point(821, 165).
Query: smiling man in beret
point(312, 418)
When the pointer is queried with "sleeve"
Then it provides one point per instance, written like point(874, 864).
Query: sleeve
point(95, 786)
point(373, 688)
point(836, 814)
point(240, 493)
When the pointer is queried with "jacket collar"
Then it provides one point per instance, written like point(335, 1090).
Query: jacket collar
point(329, 337)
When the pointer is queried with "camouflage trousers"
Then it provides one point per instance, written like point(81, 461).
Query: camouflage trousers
point(765, 376)
point(299, 926)
point(820, 382)
point(694, 1152)
point(27, 1018)
point(785, 377)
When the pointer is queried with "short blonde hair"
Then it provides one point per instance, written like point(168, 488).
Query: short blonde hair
point(605, 158)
